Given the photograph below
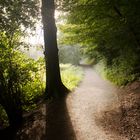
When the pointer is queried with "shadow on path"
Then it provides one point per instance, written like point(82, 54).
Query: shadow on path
point(58, 123)
point(50, 121)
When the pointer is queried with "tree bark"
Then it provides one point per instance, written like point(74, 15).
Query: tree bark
point(54, 85)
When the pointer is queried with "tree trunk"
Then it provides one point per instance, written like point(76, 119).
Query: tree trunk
point(54, 85)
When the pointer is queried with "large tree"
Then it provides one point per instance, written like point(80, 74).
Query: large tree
point(54, 85)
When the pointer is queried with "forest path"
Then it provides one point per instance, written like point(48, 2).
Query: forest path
point(85, 104)
point(77, 116)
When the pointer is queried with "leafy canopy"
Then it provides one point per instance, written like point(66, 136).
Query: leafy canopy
point(106, 29)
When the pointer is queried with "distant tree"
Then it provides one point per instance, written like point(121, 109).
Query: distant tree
point(69, 54)
point(54, 85)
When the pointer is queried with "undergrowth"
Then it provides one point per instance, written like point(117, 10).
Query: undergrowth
point(71, 75)
point(119, 73)
point(34, 88)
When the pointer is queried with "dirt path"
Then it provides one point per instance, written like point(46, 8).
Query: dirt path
point(93, 96)
point(75, 118)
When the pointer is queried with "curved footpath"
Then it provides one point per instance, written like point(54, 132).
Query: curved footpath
point(76, 117)
point(85, 105)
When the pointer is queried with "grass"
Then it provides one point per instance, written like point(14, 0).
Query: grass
point(71, 75)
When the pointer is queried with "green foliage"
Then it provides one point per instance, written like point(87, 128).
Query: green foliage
point(24, 73)
point(107, 30)
point(71, 75)
point(21, 81)
point(15, 68)
point(120, 73)
point(35, 87)
point(21, 78)
point(16, 14)
point(19, 75)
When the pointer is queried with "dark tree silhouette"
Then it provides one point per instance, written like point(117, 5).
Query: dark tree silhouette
point(54, 85)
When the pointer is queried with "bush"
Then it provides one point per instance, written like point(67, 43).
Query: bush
point(21, 83)
point(121, 70)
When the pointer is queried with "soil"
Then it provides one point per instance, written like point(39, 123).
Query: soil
point(96, 110)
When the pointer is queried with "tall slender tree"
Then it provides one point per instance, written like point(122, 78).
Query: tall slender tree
point(54, 85)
